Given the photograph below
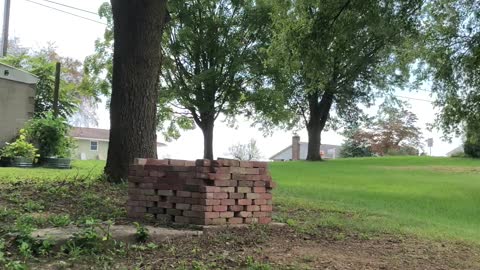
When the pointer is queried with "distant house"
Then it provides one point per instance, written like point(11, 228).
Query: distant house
point(456, 151)
point(17, 101)
point(92, 143)
point(298, 151)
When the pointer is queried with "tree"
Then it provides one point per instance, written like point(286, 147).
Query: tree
point(73, 88)
point(247, 151)
point(211, 51)
point(392, 132)
point(354, 145)
point(450, 57)
point(138, 27)
point(334, 55)
point(472, 141)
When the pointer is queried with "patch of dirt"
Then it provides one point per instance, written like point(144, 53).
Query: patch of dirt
point(443, 169)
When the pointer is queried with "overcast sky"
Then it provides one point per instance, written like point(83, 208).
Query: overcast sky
point(36, 25)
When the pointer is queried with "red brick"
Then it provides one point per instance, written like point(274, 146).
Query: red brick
point(195, 182)
point(246, 177)
point(252, 208)
point(200, 214)
point(193, 200)
point(235, 220)
point(175, 199)
point(228, 202)
point(271, 184)
point(203, 208)
point(138, 209)
point(220, 176)
point(157, 174)
point(203, 162)
point(140, 161)
point(266, 196)
point(250, 220)
point(202, 175)
point(252, 196)
point(259, 190)
point(244, 202)
point(260, 202)
point(259, 184)
point(223, 162)
point(176, 162)
point(243, 214)
point(236, 195)
point(210, 202)
point(260, 164)
point(183, 206)
point(269, 202)
point(223, 170)
point(220, 195)
point(236, 208)
point(227, 189)
point(264, 220)
point(190, 163)
point(184, 194)
point(146, 186)
point(266, 208)
point(164, 205)
point(226, 214)
point(220, 208)
point(225, 183)
point(245, 183)
point(246, 164)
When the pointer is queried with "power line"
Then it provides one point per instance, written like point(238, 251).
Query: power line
point(417, 99)
point(66, 12)
point(60, 4)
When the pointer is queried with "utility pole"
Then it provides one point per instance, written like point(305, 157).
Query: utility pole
point(56, 90)
point(6, 22)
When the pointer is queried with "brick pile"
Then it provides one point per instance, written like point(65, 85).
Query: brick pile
point(202, 192)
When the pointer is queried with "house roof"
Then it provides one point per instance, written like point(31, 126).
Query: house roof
point(14, 74)
point(286, 153)
point(457, 150)
point(94, 134)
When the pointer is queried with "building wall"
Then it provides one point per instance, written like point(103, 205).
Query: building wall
point(83, 146)
point(17, 102)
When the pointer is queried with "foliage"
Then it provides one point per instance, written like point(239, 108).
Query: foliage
point(50, 134)
point(247, 151)
point(211, 53)
point(355, 146)
point(73, 87)
point(141, 233)
point(449, 60)
point(472, 142)
point(334, 55)
point(20, 148)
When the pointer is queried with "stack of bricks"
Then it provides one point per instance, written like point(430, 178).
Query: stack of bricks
point(202, 192)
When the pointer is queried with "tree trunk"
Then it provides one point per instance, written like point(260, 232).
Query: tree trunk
point(207, 129)
point(138, 27)
point(319, 113)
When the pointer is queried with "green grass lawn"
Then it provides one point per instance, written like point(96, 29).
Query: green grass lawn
point(430, 197)
point(85, 170)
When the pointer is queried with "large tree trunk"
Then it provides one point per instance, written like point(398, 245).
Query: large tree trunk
point(319, 113)
point(138, 27)
point(207, 129)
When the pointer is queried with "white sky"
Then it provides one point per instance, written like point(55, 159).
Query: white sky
point(36, 25)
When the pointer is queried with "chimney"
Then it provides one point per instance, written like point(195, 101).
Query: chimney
point(296, 147)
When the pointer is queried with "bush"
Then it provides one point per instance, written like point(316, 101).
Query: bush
point(50, 134)
point(471, 146)
point(20, 148)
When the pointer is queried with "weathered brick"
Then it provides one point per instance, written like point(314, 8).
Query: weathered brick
point(203, 208)
point(246, 164)
point(164, 204)
point(259, 190)
point(262, 214)
point(203, 162)
point(227, 189)
point(225, 183)
point(250, 220)
point(246, 177)
point(184, 194)
point(183, 206)
point(243, 214)
point(252, 208)
point(156, 210)
point(235, 220)
point(226, 214)
point(220, 195)
point(271, 184)
point(220, 176)
point(223, 162)
point(174, 212)
point(245, 183)
point(244, 202)
point(259, 184)
point(260, 202)
point(182, 220)
point(266, 208)
point(236, 208)
point(176, 162)
point(266, 196)
point(164, 192)
point(244, 189)
point(164, 218)
point(175, 200)
point(264, 220)
point(193, 200)
point(228, 202)
point(210, 202)
point(252, 196)
point(236, 195)
point(210, 189)
point(220, 208)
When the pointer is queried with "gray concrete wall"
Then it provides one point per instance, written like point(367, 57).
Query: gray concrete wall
point(17, 102)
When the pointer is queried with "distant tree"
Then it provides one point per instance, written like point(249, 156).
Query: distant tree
point(355, 146)
point(333, 56)
point(73, 88)
point(472, 139)
point(137, 34)
point(393, 132)
point(211, 48)
point(247, 151)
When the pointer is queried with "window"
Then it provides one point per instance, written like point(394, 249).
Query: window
point(93, 146)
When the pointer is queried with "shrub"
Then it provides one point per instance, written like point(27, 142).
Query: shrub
point(50, 134)
point(19, 148)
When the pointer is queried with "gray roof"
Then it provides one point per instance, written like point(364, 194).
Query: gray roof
point(14, 74)
point(98, 134)
point(457, 150)
point(330, 151)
